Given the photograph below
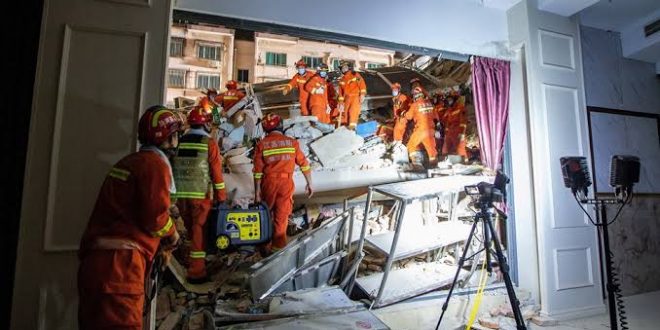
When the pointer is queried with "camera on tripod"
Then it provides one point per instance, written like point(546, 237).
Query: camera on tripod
point(488, 193)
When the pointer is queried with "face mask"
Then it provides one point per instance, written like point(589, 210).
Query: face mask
point(395, 92)
point(301, 71)
point(323, 74)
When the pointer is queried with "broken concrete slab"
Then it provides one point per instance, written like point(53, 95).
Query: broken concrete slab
point(299, 119)
point(163, 303)
point(171, 321)
point(180, 274)
point(490, 322)
point(544, 321)
point(332, 147)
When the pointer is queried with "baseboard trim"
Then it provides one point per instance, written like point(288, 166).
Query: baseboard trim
point(575, 313)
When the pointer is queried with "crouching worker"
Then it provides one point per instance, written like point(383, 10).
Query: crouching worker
point(198, 176)
point(275, 158)
point(129, 222)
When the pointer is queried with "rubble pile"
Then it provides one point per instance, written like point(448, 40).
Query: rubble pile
point(501, 317)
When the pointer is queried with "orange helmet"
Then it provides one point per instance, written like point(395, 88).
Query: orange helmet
point(396, 85)
point(199, 116)
point(157, 124)
point(301, 63)
point(271, 122)
point(232, 84)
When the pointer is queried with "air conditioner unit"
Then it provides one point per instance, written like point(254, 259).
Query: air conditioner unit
point(214, 64)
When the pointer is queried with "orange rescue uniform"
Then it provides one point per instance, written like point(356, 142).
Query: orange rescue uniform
point(298, 82)
point(275, 158)
point(129, 219)
point(455, 122)
point(400, 105)
point(351, 88)
point(318, 88)
point(422, 114)
point(195, 206)
point(229, 98)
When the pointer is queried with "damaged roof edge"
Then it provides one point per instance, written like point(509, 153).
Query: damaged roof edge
point(184, 16)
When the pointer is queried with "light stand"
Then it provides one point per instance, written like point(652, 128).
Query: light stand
point(624, 172)
point(486, 193)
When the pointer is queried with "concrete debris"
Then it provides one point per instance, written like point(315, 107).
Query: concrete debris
point(196, 322)
point(236, 152)
point(299, 119)
point(399, 154)
point(544, 321)
point(325, 128)
point(171, 321)
point(489, 322)
point(163, 303)
point(303, 130)
point(333, 146)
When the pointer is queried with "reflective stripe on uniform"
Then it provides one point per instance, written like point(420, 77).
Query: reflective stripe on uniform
point(163, 231)
point(305, 168)
point(425, 109)
point(302, 81)
point(197, 254)
point(190, 194)
point(363, 91)
point(258, 175)
point(193, 146)
point(118, 173)
point(230, 97)
point(278, 151)
point(218, 186)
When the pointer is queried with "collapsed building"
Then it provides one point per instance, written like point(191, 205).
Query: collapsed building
point(348, 242)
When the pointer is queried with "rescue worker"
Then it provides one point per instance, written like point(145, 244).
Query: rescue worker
point(128, 223)
point(455, 123)
point(416, 82)
point(275, 157)
point(318, 88)
point(400, 105)
point(298, 81)
point(352, 91)
point(198, 175)
point(422, 114)
point(230, 97)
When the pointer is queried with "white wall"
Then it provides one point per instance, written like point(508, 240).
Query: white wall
point(612, 81)
point(457, 26)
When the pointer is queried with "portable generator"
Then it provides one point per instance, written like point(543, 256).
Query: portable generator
point(234, 226)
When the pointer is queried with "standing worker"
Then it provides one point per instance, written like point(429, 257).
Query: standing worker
point(230, 97)
point(352, 90)
point(422, 114)
point(318, 88)
point(400, 105)
point(198, 176)
point(298, 82)
point(129, 221)
point(455, 123)
point(275, 158)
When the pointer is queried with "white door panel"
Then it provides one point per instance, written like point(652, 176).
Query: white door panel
point(100, 63)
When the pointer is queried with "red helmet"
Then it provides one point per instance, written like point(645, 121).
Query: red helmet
point(301, 63)
point(232, 84)
point(270, 122)
point(199, 116)
point(396, 85)
point(157, 124)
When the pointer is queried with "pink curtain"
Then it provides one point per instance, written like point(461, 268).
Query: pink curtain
point(490, 85)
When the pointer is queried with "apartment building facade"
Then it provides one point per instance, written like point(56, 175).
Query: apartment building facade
point(203, 56)
point(200, 57)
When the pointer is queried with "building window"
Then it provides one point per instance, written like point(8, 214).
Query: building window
point(209, 52)
point(176, 78)
point(208, 80)
point(278, 59)
point(312, 62)
point(375, 65)
point(243, 75)
point(176, 47)
point(335, 64)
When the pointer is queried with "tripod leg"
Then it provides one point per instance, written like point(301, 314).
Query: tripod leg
point(504, 267)
point(458, 271)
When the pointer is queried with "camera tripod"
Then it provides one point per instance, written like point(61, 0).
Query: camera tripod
point(484, 217)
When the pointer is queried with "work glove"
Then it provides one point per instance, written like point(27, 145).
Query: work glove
point(341, 107)
point(361, 98)
point(328, 109)
point(174, 212)
point(257, 197)
point(170, 243)
point(285, 91)
point(309, 190)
